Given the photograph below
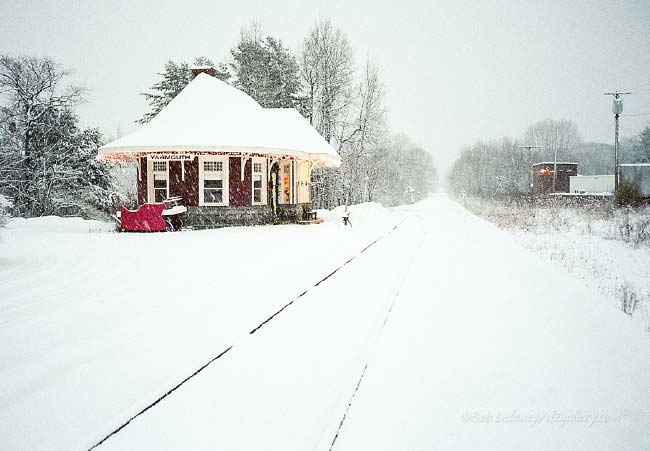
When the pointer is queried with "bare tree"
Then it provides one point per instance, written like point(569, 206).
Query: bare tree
point(359, 139)
point(327, 67)
point(502, 167)
point(33, 88)
point(553, 135)
point(641, 147)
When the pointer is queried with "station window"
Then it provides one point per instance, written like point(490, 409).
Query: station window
point(160, 181)
point(213, 166)
point(259, 197)
point(213, 190)
point(214, 182)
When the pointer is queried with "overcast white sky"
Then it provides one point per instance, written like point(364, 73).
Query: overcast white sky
point(454, 71)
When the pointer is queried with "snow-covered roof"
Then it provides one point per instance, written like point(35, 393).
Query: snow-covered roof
point(210, 116)
point(634, 164)
point(551, 162)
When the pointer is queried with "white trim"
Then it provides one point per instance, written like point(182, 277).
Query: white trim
point(261, 161)
point(225, 179)
point(285, 164)
point(303, 181)
point(125, 152)
point(242, 166)
point(151, 197)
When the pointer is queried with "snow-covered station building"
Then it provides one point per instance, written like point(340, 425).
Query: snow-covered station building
point(232, 161)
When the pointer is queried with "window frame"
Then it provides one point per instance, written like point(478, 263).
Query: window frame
point(286, 169)
point(262, 162)
point(151, 176)
point(208, 175)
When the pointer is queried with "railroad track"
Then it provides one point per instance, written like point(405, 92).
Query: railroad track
point(252, 331)
point(388, 312)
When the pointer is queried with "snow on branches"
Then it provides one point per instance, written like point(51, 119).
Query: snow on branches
point(48, 163)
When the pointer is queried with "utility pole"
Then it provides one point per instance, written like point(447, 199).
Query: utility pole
point(617, 109)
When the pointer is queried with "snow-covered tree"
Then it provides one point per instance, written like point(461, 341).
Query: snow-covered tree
point(493, 168)
point(502, 167)
point(266, 70)
point(641, 147)
point(359, 139)
point(350, 115)
point(402, 172)
point(553, 135)
point(327, 69)
point(48, 164)
point(175, 77)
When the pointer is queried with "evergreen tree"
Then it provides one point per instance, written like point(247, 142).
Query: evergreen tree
point(266, 70)
point(47, 164)
point(175, 77)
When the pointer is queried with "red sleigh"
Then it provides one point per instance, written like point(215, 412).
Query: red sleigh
point(147, 218)
point(156, 217)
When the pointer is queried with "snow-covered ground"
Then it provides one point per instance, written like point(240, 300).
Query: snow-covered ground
point(618, 269)
point(95, 324)
point(607, 248)
point(461, 341)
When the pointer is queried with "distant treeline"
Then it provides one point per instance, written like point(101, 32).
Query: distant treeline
point(502, 167)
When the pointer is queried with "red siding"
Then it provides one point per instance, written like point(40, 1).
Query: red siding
point(240, 192)
point(543, 183)
point(142, 181)
point(188, 189)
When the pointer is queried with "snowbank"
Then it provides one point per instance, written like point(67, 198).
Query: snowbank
point(605, 247)
point(368, 211)
point(57, 225)
point(96, 324)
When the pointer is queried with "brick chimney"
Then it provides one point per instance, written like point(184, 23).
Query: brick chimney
point(210, 70)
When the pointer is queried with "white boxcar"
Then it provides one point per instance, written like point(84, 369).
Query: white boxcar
point(591, 184)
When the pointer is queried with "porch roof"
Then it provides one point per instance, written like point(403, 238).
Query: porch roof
point(210, 116)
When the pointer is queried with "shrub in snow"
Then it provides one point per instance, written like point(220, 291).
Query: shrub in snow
point(5, 206)
point(628, 195)
point(634, 225)
point(630, 300)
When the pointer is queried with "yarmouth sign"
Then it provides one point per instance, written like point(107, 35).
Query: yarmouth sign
point(167, 157)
